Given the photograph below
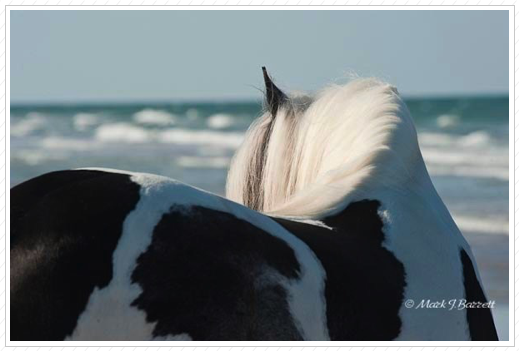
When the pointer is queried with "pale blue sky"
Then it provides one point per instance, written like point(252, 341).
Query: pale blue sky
point(82, 56)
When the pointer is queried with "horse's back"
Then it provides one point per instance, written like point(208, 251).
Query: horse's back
point(101, 255)
point(108, 255)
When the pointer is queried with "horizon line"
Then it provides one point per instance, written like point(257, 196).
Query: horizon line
point(236, 100)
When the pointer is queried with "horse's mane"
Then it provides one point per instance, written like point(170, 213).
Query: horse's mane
point(318, 153)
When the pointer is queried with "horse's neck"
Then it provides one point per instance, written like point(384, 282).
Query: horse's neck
point(412, 210)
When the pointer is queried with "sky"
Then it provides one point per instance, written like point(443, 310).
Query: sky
point(125, 56)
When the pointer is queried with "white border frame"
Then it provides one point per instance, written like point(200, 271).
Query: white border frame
point(5, 177)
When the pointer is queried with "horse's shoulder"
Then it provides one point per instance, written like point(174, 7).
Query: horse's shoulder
point(350, 246)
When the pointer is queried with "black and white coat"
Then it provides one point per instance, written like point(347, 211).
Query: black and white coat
point(100, 254)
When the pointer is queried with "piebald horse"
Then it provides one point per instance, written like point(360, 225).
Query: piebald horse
point(331, 230)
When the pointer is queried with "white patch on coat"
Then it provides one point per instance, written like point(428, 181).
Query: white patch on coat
point(310, 221)
point(423, 237)
point(109, 316)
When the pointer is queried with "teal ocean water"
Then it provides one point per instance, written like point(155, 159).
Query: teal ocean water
point(465, 143)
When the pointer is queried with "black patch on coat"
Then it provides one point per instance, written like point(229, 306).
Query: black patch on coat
point(480, 321)
point(364, 281)
point(64, 228)
point(214, 276)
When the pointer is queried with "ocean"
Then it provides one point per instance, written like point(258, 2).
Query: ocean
point(465, 143)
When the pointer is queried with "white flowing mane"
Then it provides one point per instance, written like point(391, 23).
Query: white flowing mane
point(318, 153)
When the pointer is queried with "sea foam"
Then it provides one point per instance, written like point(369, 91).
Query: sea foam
point(154, 117)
